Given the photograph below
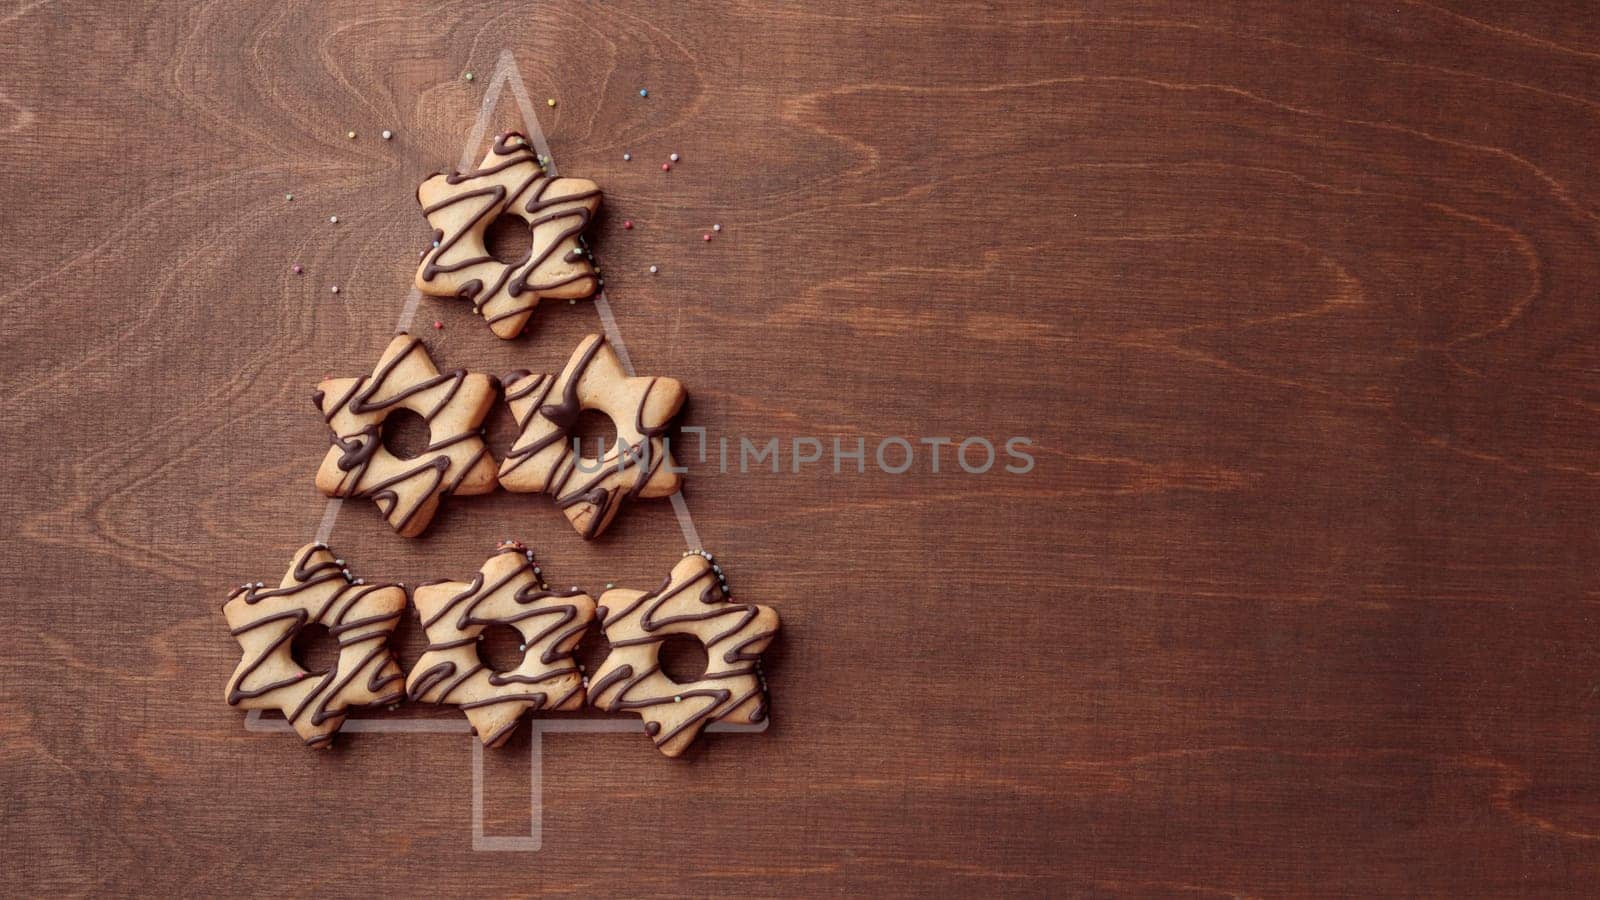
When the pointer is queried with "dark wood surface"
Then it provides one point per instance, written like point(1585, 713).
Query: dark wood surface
point(1298, 303)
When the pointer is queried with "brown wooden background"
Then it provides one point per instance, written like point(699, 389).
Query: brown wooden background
point(1299, 302)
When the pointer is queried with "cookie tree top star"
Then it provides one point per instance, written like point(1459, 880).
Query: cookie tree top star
point(461, 206)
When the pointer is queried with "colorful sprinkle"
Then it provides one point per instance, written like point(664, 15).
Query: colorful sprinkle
point(295, 269)
point(438, 324)
point(707, 237)
point(628, 225)
point(550, 102)
point(643, 92)
point(666, 167)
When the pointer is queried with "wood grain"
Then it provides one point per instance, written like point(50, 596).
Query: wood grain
point(1297, 301)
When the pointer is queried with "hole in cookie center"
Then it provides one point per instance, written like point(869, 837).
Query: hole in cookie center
point(405, 434)
point(500, 648)
point(683, 659)
point(314, 649)
point(595, 433)
point(508, 240)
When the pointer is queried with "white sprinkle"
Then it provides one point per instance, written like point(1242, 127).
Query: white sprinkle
point(333, 219)
point(387, 134)
point(716, 228)
point(627, 157)
point(677, 699)
point(335, 289)
point(351, 135)
point(654, 270)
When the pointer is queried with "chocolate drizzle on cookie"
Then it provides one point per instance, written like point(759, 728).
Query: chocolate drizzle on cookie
point(462, 205)
point(404, 489)
point(506, 592)
point(547, 408)
point(687, 602)
point(360, 617)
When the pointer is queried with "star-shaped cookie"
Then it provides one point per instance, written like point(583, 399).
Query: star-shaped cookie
point(317, 590)
point(508, 590)
point(590, 491)
point(407, 491)
point(689, 602)
point(461, 206)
